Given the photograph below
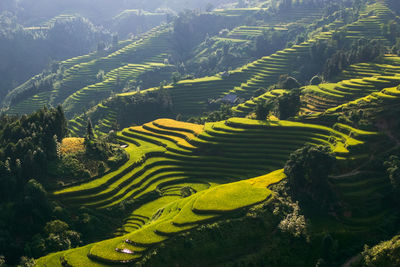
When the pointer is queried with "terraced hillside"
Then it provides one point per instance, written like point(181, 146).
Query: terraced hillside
point(325, 96)
point(367, 78)
point(170, 157)
point(80, 86)
point(312, 190)
point(249, 106)
point(171, 219)
point(303, 13)
point(161, 152)
point(191, 97)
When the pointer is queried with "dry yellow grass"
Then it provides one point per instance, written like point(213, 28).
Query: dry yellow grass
point(72, 145)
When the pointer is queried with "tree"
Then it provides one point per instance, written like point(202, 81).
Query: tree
point(262, 110)
point(61, 123)
point(59, 237)
point(287, 105)
point(307, 170)
point(393, 170)
point(290, 83)
point(89, 130)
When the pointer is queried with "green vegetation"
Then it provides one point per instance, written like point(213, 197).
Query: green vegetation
point(383, 254)
point(284, 150)
point(175, 217)
point(307, 171)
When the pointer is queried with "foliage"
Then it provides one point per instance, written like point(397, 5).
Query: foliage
point(62, 40)
point(384, 254)
point(294, 223)
point(393, 170)
point(364, 51)
point(89, 131)
point(28, 144)
point(287, 105)
point(289, 83)
point(307, 170)
point(283, 107)
point(224, 112)
point(30, 148)
point(263, 109)
point(26, 262)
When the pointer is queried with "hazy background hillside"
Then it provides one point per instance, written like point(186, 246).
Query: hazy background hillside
point(97, 10)
point(35, 33)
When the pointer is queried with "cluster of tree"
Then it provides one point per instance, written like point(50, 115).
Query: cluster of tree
point(136, 108)
point(307, 171)
point(271, 41)
point(135, 22)
point(284, 106)
point(392, 165)
point(100, 149)
point(363, 51)
point(30, 157)
point(223, 113)
point(337, 53)
point(216, 55)
point(27, 145)
point(26, 52)
point(384, 254)
point(191, 28)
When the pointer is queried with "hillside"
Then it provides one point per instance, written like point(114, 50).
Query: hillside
point(263, 133)
point(69, 89)
point(192, 97)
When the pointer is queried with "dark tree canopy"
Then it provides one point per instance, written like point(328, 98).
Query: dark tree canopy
point(307, 170)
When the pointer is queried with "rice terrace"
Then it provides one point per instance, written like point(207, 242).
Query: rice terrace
point(200, 133)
